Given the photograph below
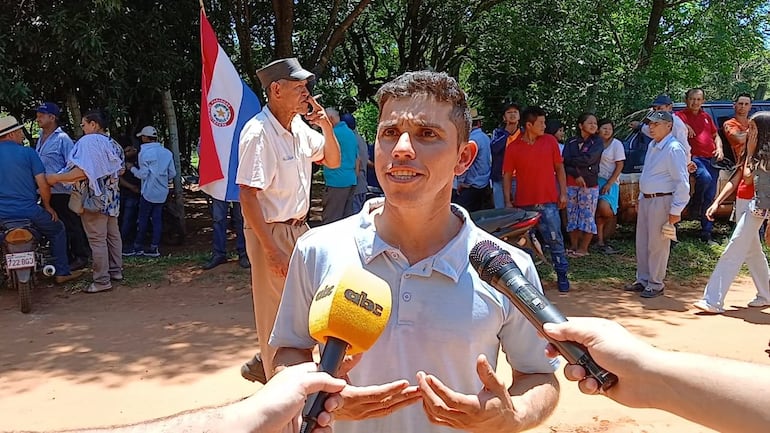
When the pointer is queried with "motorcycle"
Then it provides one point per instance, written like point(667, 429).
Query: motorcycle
point(513, 225)
point(20, 244)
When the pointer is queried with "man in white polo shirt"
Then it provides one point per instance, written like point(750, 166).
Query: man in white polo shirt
point(276, 152)
point(446, 327)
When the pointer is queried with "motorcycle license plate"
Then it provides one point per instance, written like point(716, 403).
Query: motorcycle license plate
point(20, 260)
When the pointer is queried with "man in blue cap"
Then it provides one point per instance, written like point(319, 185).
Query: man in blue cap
point(54, 147)
point(663, 102)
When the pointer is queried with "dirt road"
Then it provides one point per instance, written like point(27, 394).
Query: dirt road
point(137, 353)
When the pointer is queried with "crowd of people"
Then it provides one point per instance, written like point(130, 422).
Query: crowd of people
point(433, 368)
point(84, 187)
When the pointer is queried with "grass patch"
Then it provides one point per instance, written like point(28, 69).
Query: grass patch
point(147, 270)
point(690, 258)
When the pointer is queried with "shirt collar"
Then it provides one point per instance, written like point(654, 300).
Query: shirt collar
point(451, 261)
point(663, 143)
point(276, 124)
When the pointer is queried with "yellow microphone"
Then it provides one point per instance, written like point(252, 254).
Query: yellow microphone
point(348, 314)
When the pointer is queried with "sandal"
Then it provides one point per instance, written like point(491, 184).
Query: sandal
point(576, 254)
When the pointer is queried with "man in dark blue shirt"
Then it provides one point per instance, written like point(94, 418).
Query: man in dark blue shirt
point(22, 175)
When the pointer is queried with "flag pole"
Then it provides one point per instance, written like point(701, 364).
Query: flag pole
point(203, 8)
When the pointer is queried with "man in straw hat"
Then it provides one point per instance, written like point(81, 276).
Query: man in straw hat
point(22, 175)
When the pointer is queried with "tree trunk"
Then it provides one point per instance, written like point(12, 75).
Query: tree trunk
point(335, 36)
point(74, 108)
point(760, 93)
point(173, 136)
point(651, 38)
point(284, 26)
point(242, 28)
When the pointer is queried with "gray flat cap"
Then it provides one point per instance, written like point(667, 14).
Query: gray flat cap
point(283, 69)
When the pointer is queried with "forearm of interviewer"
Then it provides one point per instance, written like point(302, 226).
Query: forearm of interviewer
point(534, 397)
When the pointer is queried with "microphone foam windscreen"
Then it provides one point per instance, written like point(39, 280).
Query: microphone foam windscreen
point(353, 306)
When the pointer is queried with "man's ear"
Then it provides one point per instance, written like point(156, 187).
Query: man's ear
point(466, 156)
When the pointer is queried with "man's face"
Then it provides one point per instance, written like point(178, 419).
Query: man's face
point(45, 120)
point(695, 100)
point(16, 136)
point(537, 127)
point(659, 130)
point(742, 106)
point(416, 153)
point(511, 116)
point(666, 107)
point(292, 95)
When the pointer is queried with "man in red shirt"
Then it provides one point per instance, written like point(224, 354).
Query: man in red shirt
point(537, 162)
point(705, 144)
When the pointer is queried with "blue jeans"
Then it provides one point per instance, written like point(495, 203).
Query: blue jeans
point(57, 236)
point(498, 196)
point(149, 212)
point(550, 230)
point(130, 215)
point(706, 178)
point(219, 211)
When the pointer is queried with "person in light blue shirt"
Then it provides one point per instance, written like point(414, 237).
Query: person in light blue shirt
point(155, 170)
point(54, 147)
point(341, 182)
point(664, 190)
point(473, 188)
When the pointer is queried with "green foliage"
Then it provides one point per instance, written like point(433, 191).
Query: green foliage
point(566, 55)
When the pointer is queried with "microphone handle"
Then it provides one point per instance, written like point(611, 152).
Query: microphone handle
point(539, 311)
point(331, 360)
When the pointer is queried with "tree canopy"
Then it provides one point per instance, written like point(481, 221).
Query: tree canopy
point(569, 56)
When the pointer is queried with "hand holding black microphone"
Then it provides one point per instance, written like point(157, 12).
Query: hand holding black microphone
point(496, 267)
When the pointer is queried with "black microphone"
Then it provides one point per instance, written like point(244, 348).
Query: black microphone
point(496, 267)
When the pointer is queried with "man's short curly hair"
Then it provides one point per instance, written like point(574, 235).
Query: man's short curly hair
point(437, 86)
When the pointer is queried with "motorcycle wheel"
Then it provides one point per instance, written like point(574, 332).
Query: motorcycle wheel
point(25, 293)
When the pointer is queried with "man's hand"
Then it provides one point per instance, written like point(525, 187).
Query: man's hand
point(562, 200)
point(491, 410)
point(279, 403)
point(278, 261)
point(605, 189)
point(612, 347)
point(364, 402)
point(673, 219)
point(719, 154)
point(580, 181)
point(54, 215)
point(690, 131)
point(691, 167)
point(317, 115)
point(52, 179)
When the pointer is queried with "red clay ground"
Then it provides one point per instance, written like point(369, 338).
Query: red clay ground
point(137, 353)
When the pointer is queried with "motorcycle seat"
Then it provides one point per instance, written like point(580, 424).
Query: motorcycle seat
point(493, 220)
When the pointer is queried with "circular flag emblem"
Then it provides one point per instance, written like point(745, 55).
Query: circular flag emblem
point(220, 112)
